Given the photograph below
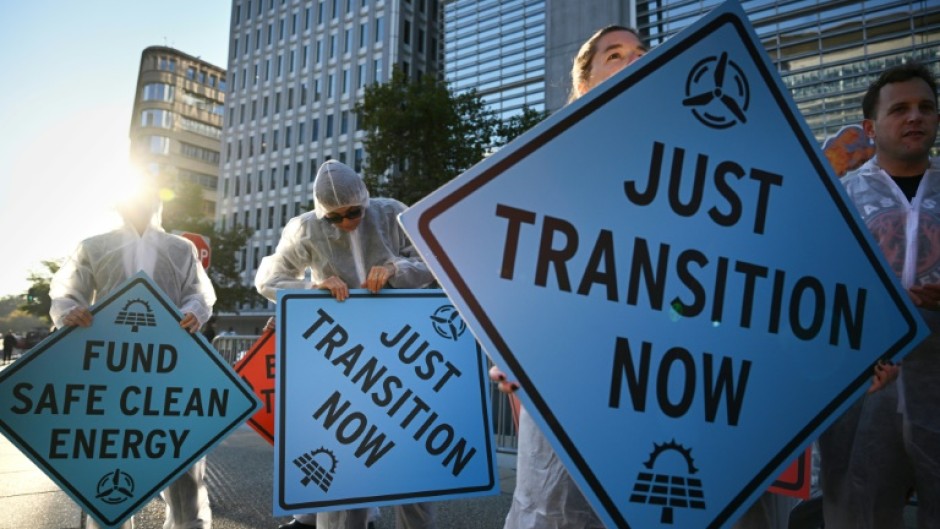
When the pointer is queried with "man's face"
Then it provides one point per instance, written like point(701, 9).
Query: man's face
point(905, 124)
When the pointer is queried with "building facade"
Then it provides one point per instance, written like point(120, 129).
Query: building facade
point(176, 125)
point(498, 48)
point(297, 68)
point(827, 51)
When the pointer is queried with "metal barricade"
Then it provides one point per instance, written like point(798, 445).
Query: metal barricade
point(233, 346)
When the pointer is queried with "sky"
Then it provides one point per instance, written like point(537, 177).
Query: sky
point(65, 112)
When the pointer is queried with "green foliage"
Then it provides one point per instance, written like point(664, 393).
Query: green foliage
point(185, 213)
point(516, 125)
point(37, 300)
point(419, 135)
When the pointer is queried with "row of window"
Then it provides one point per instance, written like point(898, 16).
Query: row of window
point(167, 93)
point(273, 105)
point(199, 75)
point(262, 73)
point(268, 39)
point(291, 133)
point(308, 12)
point(165, 119)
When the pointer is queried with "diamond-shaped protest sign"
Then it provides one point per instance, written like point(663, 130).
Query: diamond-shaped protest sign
point(675, 278)
point(113, 413)
point(257, 369)
point(381, 399)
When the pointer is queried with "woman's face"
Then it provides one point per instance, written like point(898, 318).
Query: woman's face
point(615, 51)
point(346, 219)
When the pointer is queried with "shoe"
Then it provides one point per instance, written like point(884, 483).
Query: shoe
point(296, 524)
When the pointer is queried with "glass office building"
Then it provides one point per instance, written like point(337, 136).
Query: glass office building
point(498, 48)
point(296, 69)
point(827, 52)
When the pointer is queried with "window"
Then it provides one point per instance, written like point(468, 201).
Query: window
point(320, 12)
point(332, 46)
point(275, 137)
point(162, 119)
point(277, 103)
point(363, 32)
point(264, 107)
point(283, 214)
point(329, 126)
point(300, 133)
point(347, 40)
point(258, 39)
point(160, 145)
point(361, 75)
point(307, 18)
point(315, 130)
point(313, 169)
point(287, 136)
point(247, 184)
point(257, 219)
point(329, 86)
point(290, 62)
point(280, 64)
point(357, 160)
point(290, 98)
point(319, 51)
point(273, 177)
point(264, 143)
point(345, 81)
point(159, 92)
point(377, 70)
point(344, 122)
point(378, 29)
point(406, 32)
point(298, 173)
point(420, 42)
point(260, 180)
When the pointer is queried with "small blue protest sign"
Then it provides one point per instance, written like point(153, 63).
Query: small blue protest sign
point(672, 273)
point(114, 412)
point(381, 399)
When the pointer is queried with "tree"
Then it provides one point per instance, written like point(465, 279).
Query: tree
point(184, 212)
point(519, 123)
point(419, 135)
point(38, 301)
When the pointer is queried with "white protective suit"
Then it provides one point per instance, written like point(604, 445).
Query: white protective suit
point(545, 496)
point(890, 439)
point(309, 243)
point(103, 262)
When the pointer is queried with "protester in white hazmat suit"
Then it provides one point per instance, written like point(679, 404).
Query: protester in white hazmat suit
point(347, 241)
point(105, 261)
point(888, 443)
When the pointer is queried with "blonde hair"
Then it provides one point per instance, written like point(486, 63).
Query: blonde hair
point(581, 68)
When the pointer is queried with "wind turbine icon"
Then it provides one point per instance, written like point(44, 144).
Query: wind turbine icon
point(729, 89)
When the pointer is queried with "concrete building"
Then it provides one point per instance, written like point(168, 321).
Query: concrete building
point(297, 68)
point(176, 125)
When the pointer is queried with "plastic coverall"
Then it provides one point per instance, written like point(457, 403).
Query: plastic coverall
point(310, 243)
point(545, 497)
point(103, 262)
point(890, 439)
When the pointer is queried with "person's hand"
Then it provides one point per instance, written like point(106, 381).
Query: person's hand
point(269, 325)
point(190, 322)
point(885, 373)
point(926, 296)
point(378, 277)
point(78, 317)
point(496, 375)
point(336, 286)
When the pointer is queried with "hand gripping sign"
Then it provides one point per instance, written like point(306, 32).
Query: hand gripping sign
point(381, 399)
point(113, 413)
point(673, 245)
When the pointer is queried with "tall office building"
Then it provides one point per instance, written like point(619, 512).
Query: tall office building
point(297, 68)
point(176, 125)
point(827, 52)
point(498, 48)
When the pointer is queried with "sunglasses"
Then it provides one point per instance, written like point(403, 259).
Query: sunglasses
point(336, 218)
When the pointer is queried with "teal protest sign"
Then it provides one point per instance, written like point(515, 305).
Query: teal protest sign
point(674, 276)
point(114, 412)
point(381, 399)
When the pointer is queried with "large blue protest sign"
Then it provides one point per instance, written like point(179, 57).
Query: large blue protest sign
point(381, 399)
point(674, 276)
point(114, 412)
